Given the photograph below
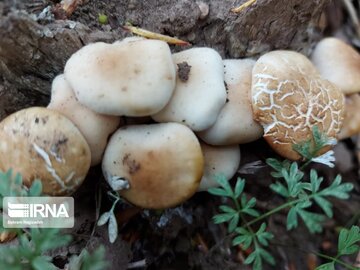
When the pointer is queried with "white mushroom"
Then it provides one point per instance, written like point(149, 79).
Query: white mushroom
point(289, 98)
point(157, 166)
point(219, 160)
point(135, 77)
point(235, 123)
point(339, 63)
point(43, 144)
point(200, 92)
point(95, 127)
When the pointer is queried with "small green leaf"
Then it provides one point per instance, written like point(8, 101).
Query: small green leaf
point(227, 209)
point(245, 240)
point(280, 189)
point(112, 228)
point(251, 212)
point(251, 258)
point(35, 189)
point(41, 263)
point(267, 256)
point(292, 221)
point(311, 220)
point(233, 223)
point(104, 218)
point(348, 240)
point(219, 192)
point(221, 218)
point(224, 183)
point(325, 205)
point(251, 203)
point(239, 187)
point(326, 266)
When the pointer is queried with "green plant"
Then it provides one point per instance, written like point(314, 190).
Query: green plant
point(300, 196)
point(33, 243)
point(29, 253)
point(347, 245)
point(109, 217)
point(87, 261)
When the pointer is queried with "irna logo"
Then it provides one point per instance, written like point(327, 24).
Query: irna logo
point(41, 212)
point(17, 210)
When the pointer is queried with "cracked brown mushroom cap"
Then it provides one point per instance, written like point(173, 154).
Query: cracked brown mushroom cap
point(161, 163)
point(43, 144)
point(351, 124)
point(134, 77)
point(289, 98)
point(95, 127)
point(235, 123)
point(219, 160)
point(339, 63)
point(200, 92)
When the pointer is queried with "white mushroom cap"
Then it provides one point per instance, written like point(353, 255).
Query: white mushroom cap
point(133, 78)
point(200, 92)
point(289, 98)
point(162, 163)
point(219, 160)
point(235, 123)
point(351, 124)
point(339, 63)
point(43, 144)
point(95, 127)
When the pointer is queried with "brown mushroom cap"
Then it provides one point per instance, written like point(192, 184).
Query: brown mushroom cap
point(43, 144)
point(163, 163)
point(289, 98)
point(352, 117)
point(339, 63)
point(134, 77)
point(7, 236)
point(95, 127)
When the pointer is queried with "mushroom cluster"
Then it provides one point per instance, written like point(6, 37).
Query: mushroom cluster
point(185, 116)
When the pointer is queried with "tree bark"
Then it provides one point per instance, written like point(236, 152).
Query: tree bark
point(33, 52)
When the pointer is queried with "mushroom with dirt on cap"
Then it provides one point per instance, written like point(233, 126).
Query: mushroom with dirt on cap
point(289, 98)
point(95, 127)
point(133, 77)
point(43, 144)
point(200, 92)
point(154, 166)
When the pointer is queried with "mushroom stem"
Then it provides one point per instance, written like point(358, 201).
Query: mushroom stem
point(243, 6)
point(152, 35)
point(118, 183)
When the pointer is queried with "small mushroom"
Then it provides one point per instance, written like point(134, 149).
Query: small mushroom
point(339, 63)
point(235, 123)
point(157, 166)
point(7, 236)
point(351, 124)
point(134, 77)
point(200, 91)
point(289, 98)
point(43, 144)
point(219, 160)
point(95, 127)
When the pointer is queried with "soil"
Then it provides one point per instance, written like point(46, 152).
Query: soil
point(34, 47)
